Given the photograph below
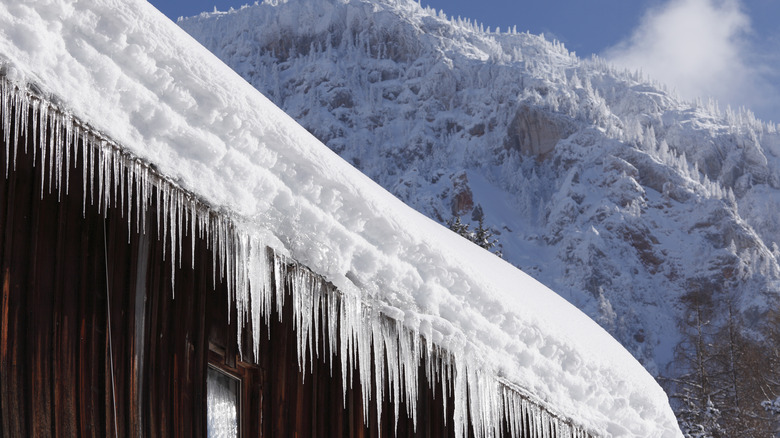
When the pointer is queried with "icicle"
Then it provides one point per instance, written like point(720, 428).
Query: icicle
point(333, 304)
point(364, 336)
point(537, 415)
point(51, 126)
point(390, 338)
point(91, 151)
point(130, 179)
point(313, 283)
point(475, 402)
point(460, 393)
point(260, 288)
point(317, 312)
point(59, 153)
point(409, 352)
point(181, 224)
point(36, 104)
point(193, 220)
point(162, 217)
point(116, 179)
point(105, 185)
point(122, 166)
point(68, 144)
point(100, 169)
point(242, 303)
point(345, 345)
point(20, 120)
point(226, 260)
point(171, 215)
point(5, 96)
point(84, 173)
point(280, 273)
point(142, 197)
point(212, 238)
point(222, 259)
point(221, 244)
point(379, 365)
point(43, 131)
point(445, 376)
point(298, 294)
point(138, 178)
point(158, 195)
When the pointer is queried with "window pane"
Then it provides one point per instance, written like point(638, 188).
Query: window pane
point(222, 404)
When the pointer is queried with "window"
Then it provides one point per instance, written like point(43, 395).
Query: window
point(223, 404)
point(234, 387)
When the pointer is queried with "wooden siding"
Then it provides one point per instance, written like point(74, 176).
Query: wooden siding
point(71, 367)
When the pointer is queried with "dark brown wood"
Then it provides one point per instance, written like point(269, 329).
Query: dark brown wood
point(12, 406)
point(77, 285)
point(66, 332)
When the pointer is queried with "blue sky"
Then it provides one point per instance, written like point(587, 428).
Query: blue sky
point(729, 49)
point(579, 24)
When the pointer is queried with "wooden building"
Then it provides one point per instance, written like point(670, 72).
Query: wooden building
point(97, 340)
point(138, 302)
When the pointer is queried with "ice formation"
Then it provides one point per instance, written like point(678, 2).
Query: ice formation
point(152, 115)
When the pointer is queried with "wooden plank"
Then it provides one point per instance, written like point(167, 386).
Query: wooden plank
point(159, 363)
point(302, 403)
point(337, 403)
point(137, 380)
point(121, 279)
point(152, 365)
point(320, 380)
point(279, 379)
point(66, 330)
point(92, 311)
point(188, 316)
point(39, 324)
point(357, 407)
point(202, 287)
point(266, 376)
point(12, 401)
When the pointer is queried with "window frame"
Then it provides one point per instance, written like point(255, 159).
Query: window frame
point(240, 372)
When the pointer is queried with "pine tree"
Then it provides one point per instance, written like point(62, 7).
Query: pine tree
point(459, 227)
point(694, 388)
point(482, 236)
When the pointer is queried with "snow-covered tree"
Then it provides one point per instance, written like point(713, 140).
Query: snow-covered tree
point(481, 235)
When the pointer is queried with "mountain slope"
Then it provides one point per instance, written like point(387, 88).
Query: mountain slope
point(602, 185)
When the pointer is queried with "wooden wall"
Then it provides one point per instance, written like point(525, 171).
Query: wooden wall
point(69, 367)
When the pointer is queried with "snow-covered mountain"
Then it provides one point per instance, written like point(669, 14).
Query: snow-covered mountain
point(598, 182)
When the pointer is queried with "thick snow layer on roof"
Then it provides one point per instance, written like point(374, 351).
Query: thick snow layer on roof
point(129, 72)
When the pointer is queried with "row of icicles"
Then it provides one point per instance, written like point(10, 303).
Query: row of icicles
point(351, 328)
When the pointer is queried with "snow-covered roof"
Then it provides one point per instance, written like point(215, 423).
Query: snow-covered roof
point(138, 80)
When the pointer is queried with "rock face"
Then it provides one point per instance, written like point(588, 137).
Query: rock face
point(462, 199)
point(608, 189)
point(535, 132)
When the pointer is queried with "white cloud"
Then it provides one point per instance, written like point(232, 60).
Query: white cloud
point(701, 48)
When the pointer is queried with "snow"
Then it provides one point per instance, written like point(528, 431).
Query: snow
point(416, 100)
point(150, 95)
